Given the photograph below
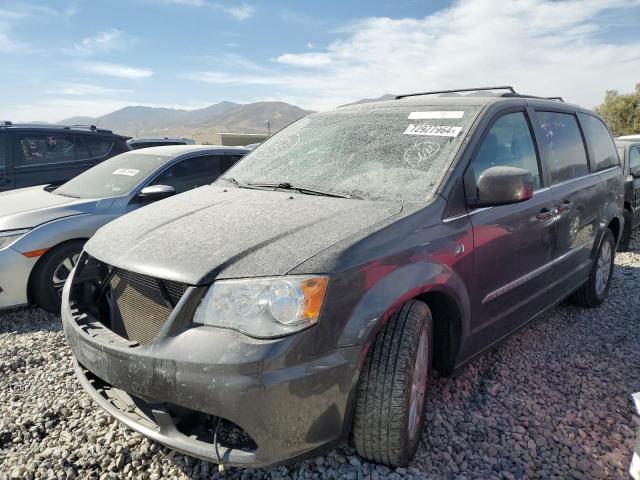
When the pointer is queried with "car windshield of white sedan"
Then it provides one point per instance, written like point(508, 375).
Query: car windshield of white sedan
point(392, 153)
point(113, 177)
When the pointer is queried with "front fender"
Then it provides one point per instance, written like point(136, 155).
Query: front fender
point(409, 281)
point(57, 231)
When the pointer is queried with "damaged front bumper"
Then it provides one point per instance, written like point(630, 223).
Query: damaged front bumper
point(286, 404)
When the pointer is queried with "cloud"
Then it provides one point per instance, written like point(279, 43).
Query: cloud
point(241, 12)
point(103, 42)
point(192, 3)
point(85, 89)
point(116, 70)
point(306, 59)
point(6, 44)
point(542, 47)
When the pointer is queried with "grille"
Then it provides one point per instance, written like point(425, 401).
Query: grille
point(140, 305)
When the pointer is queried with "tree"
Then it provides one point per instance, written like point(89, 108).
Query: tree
point(621, 112)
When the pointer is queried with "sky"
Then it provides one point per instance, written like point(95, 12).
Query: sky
point(80, 57)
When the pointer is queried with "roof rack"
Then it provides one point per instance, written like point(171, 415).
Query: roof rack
point(92, 128)
point(436, 92)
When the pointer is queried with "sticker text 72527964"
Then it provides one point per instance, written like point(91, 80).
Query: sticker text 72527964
point(432, 130)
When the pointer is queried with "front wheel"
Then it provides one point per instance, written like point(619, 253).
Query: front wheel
point(51, 273)
point(596, 289)
point(393, 387)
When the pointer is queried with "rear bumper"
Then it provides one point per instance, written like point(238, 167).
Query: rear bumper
point(290, 405)
point(15, 270)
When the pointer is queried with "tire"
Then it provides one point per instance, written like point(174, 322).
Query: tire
point(56, 263)
point(625, 239)
point(384, 429)
point(596, 289)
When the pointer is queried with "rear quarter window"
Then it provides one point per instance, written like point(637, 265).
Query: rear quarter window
point(99, 147)
point(562, 146)
point(604, 150)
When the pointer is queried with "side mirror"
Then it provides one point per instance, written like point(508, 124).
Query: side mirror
point(504, 185)
point(153, 193)
point(636, 173)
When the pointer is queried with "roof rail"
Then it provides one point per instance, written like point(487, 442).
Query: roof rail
point(559, 99)
point(80, 125)
point(435, 92)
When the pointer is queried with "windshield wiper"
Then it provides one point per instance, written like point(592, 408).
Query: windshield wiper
point(304, 190)
point(237, 183)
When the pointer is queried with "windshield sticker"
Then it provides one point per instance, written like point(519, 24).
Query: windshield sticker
point(433, 115)
point(129, 172)
point(421, 152)
point(432, 130)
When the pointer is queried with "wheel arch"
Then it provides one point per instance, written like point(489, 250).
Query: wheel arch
point(447, 328)
point(614, 226)
point(444, 292)
point(38, 264)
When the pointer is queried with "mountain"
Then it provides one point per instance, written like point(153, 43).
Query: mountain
point(386, 96)
point(141, 121)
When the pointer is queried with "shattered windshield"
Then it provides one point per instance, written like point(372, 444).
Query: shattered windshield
point(384, 153)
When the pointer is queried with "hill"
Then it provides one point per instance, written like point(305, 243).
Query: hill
point(139, 121)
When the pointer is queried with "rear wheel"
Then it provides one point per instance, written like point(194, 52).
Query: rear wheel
point(51, 273)
point(596, 289)
point(393, 387)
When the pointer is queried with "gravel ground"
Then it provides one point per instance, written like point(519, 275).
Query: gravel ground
point(551, 402)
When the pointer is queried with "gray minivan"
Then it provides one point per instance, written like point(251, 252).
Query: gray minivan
point(307, 294)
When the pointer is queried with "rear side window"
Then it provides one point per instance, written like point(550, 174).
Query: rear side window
point(82, 150)
point(191, 173)
point(604, 150)
point(634, 159)
point(508, 143)
point(98, 147)
point(563, 146)
point(45, 148)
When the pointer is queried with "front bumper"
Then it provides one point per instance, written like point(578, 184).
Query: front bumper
point(15, 270)
point(291, 405)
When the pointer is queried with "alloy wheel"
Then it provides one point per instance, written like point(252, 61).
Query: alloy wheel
point(603, 269)
point(61, 273)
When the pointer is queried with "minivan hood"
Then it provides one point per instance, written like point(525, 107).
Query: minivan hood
point(213, 232)
point(33, 206)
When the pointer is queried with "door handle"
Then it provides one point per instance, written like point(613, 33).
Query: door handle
point(545, 214)
point(565, 206)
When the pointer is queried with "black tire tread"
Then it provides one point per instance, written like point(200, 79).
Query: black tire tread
point(380, 418)
point(44, 269)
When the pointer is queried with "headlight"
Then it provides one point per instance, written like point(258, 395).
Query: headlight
point(8, 237)
point(263, 307)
